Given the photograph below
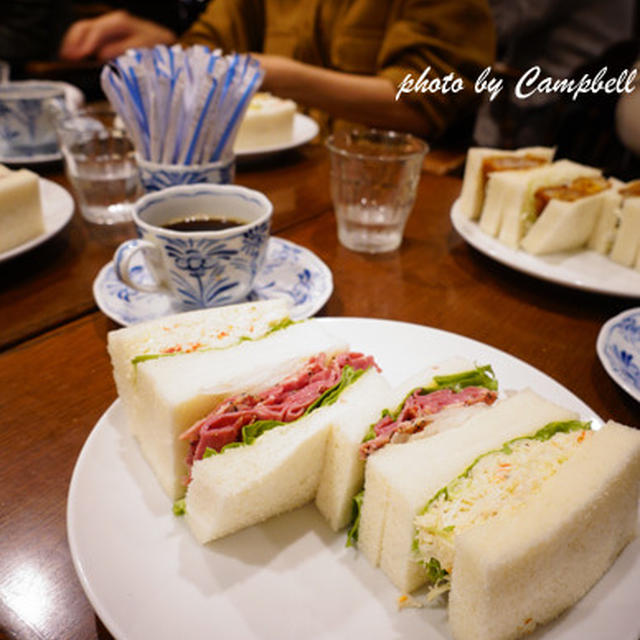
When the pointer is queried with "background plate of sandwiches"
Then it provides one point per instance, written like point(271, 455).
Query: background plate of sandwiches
point(480, 498)
point(560, 221)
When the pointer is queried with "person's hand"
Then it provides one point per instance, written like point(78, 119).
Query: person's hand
point(111, 34)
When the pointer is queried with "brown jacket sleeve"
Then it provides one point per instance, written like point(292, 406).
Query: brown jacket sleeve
point(232, 25)
point(448, 36)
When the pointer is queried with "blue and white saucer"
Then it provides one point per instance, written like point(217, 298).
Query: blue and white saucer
point(289, 271)
point(618, 347)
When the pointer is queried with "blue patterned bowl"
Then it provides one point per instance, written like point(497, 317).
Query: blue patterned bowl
point(155, 176)
point(199, 268)
point(618, 348)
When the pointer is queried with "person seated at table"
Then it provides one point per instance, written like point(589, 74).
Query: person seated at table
point(104, 33)
point(345, 59)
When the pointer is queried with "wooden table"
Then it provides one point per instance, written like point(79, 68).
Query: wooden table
point(55, 378)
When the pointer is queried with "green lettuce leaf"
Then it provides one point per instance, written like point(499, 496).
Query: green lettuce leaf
point(478, 377)
point(352, 533)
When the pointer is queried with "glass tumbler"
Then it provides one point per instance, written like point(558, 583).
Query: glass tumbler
point(374, 179)
point(100, 163)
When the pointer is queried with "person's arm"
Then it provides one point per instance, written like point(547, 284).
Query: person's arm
point(367, 99)
point(111, 34)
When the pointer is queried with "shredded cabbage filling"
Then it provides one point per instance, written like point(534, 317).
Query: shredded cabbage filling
point(497, 482)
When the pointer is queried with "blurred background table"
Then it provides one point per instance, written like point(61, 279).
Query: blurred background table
point(55, 376)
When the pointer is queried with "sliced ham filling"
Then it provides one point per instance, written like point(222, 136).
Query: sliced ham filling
point(419, 410)
point(285, 402)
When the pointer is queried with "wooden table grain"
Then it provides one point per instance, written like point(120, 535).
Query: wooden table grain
point(55, 376)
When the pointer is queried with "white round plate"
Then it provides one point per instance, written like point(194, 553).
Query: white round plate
point(587, 270)
point(305, 129)
point(74, 99)
point(618, 347)
point(57, 209)
point(290, 271)
point(290, 577)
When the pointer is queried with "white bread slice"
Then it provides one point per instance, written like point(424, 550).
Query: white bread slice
point(604, 232)
point(522, 569)
point(279, 472)
point(518, 202)
point(20, 208)
point(626, 246)
point(473, 186)
point(564, 226)
point(400, 480)
point(343, 472)
point(173, 393)
point(183, 333)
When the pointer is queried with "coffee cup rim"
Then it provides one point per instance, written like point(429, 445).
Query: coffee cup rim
point(201, 189)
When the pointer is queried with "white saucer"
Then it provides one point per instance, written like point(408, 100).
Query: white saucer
point(57, 209)
point(36, 158)
point(618, 347)
point(289, 271)
point(305, 129)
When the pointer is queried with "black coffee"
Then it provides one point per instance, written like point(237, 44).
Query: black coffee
point(202, 223)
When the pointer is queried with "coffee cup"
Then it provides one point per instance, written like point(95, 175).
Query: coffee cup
point(202, 244)
point(26, 122)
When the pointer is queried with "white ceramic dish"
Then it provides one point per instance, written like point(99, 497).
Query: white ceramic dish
point(305, 129)
point(586, 270)
point(618, 347)
point(290, 577)
point(289, 271)
point(57, 209)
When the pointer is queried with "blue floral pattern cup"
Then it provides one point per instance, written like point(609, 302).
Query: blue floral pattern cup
point(199, 268)
point(26, 122)
point(155, 176)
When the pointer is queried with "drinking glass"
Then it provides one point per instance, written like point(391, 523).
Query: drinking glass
point(374, 178)
point(100, 164)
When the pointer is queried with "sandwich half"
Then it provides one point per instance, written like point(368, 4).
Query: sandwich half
point(170, 394)
point(566, 215)
point(400, 480)
point(183, 333)
point(434, 399)
point(529, 527)
point(260, 454)
point(517, 208)
point(482, 161)
point(626, 245)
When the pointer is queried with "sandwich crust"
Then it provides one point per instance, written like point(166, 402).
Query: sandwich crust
point(522, 569)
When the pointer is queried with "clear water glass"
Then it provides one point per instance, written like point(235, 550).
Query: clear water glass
point(374, 179)
point(100, 164)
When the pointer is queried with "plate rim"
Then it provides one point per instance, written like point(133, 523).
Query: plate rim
point(67, 203)
point(303, 120)
point(602, 356)
point(109, 619)
point(513, 258)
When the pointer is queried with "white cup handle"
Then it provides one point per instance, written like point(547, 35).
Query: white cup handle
point(152, 261)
